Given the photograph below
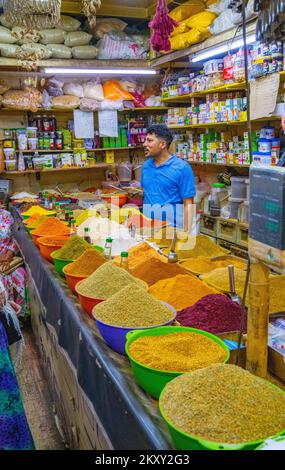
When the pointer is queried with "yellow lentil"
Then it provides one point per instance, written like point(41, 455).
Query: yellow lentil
point(180, 352)
point(224, 403)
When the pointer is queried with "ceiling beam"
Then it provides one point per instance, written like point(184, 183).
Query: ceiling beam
point(116, 10)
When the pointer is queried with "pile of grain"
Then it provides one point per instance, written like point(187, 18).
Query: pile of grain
point(224, 403)
point(86, 264)
point(133, 307)
point(195, 246)
point(153, 270)
point(203, 264)
point(107, 280)
point(140, 254)
point(180, 352)
point(73, 248)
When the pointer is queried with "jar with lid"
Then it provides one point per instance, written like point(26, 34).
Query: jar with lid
point(52, 123)
point(46, 141)
point(46, 123)
point(218, 193)
point(59, 140)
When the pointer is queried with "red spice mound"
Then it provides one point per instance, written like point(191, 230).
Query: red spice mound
point(214, 313)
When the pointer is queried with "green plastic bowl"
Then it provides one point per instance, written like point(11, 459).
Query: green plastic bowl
point(184, 441)
point(151, 380)
point(60, 263)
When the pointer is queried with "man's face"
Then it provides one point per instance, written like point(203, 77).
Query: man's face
point(153, 146)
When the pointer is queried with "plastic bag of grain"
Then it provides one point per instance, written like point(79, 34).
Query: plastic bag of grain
point(5, 23)
point(84, 52)
point(93, 90)
point(52, 36)
point(38, 51)
point(60, 51)
point(106, 25)
point(120, 46)
point(65, 102)
point(28, 99)
point(110, 105)
point(67, 23)
point(25, 36)
point(6, 36)
point(74, 89)
point(10, 50)
point(54, 86)
point(87, 104)
point(77, 38)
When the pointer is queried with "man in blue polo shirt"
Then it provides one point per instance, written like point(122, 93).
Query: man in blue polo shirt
point(168, 181)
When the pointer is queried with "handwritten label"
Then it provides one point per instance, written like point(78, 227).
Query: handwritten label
point(108, 123)
point(263, 96)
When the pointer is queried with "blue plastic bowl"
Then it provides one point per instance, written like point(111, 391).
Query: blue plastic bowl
point(115, 336)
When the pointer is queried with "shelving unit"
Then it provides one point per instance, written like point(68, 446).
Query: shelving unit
point(209, 124)
point(219, 164)
point(53, 170)
point(87, 150)
point(222, 89)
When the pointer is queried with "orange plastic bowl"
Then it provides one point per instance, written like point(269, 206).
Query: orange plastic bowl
point(87, 303)
point(72, 280)
point(116, 199)
point(35, 239)
point(46, 247)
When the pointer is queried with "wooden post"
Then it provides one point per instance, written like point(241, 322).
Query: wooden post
point(257, 323)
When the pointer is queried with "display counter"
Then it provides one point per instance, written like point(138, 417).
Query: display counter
point(96, 397)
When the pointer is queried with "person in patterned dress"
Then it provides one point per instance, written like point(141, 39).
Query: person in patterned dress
point(15, 283)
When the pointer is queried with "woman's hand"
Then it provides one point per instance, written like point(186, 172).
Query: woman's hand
point(4, 265)
point(7, 257)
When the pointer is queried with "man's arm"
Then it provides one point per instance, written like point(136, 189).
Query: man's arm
point(188, 213)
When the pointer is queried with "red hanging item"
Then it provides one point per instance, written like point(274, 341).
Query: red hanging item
point(162, 26)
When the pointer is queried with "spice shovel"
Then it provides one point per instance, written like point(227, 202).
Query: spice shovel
point(172, 256)
point(232, 294)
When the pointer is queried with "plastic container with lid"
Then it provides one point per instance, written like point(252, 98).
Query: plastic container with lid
point(33, 143)
point(218, 193)
point(264, 145)
point(238, 186)
point(32, 132)
point(11, 165)
point(235, 205)
point(125, 171)
point(9, 154)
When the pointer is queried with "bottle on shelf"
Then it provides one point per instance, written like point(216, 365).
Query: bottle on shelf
point(108, 248)
point(46, 201)
point(66, 214)
point(53, 203)
point(57, 209)
point(73, 229)
point(124, 263)
point(70, 217)
point(87, 236)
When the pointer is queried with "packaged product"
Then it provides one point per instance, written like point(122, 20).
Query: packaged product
point(129, 85)
point(93, 89)
point(201, 21)
point(74, 89)
point(5, 23)
point(116, 46)
point(6, 36)
point(29, 99)
point(153, 101)
point(10, 50)
point(65, 102)
point(35, 51)
point(186, 10)
point(25, 36)
point(113, 91)
point(109, 104)
point(181, 28)
point(84, 52)
point(185, 40)
point(4, 86)
point(68, 23)
point(11, 165)
point(77, 38)
point(107, 25)
point(54, 86)
point(60, 51)
point(9, 153)
point(226, 20)
point(54, 36)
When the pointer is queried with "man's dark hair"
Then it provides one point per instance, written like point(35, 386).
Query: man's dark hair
point(161, 132)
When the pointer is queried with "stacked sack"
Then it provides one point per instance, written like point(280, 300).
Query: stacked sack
point(63, 42)
point(194, 20)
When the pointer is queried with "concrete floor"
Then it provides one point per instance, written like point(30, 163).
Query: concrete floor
point(37, 399)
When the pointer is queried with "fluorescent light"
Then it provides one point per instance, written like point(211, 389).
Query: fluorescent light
point(223, 48)
point(66, 71)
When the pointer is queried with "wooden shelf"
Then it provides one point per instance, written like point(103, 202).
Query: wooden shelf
point(69, 110)
point(53, 170)
point(134, 147)
point(209, 124)
point(219, 164)
point(222, 89)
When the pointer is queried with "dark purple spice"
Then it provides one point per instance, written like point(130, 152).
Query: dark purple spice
point(215, 313)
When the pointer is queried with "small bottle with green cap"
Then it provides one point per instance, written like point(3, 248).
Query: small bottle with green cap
point(57, 209)
point(53, 200)
point(108, 248)
point(70, 218)
point(66, 214)
point(124, 260)
point(46, 201)
point(73, 230)
point(87, 236)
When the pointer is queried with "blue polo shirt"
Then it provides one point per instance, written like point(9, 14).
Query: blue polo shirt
point(165, 186)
